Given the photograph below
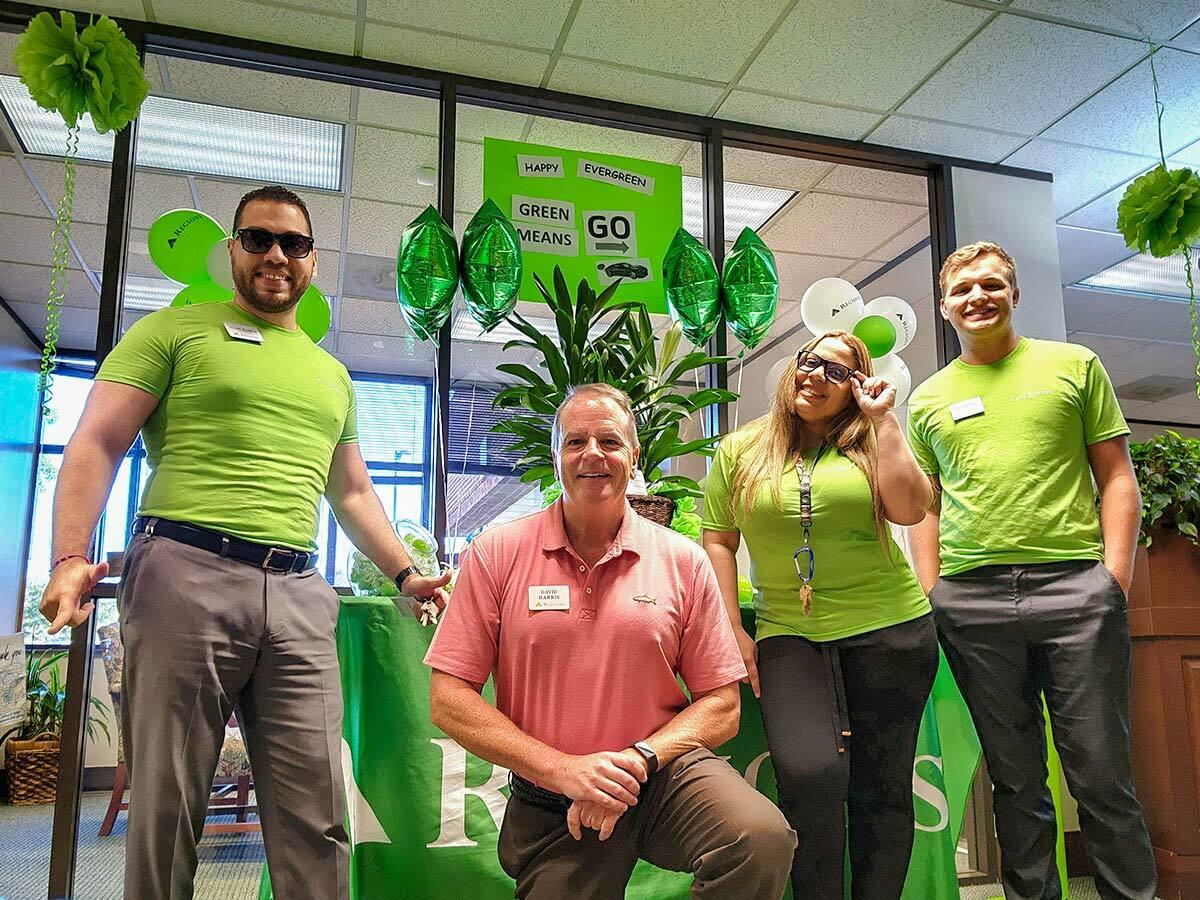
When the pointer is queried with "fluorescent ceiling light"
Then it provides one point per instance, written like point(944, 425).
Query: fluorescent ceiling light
point(746, 206)
point(197, 138)
point(1143, 274)
point(467, 329)
point(144, 294)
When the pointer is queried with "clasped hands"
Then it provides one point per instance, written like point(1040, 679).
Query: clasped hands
point(602, 787)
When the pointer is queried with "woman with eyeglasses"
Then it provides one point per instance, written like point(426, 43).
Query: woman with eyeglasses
point(846, 651)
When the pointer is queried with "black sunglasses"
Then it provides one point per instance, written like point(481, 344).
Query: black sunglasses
point(807, 361)
point(258, 240)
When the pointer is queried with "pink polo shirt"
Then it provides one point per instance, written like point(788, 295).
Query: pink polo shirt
point(599, 674)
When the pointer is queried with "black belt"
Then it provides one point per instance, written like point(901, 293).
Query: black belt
point(531, 793)
point(273, 559)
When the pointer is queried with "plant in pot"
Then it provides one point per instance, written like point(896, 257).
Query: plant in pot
point(599, 340)
point(1168, 473)
point(31, 755)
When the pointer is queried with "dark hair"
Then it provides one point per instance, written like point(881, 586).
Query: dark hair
point(279, 194)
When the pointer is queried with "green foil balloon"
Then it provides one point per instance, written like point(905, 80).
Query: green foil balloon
point(491, 266)
point(878, 333)
point(693, 287)
point(427, 274)
point(750, 288)
point(312, 314)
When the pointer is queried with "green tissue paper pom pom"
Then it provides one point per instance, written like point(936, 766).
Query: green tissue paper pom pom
point(1161, 211)
point(95, 71)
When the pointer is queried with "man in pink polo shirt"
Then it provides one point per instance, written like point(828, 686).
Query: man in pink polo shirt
point(586, 613)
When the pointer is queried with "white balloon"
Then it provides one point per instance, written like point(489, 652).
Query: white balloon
point(218, 265)
point(831, 304)
point(894, 371)
point(900, 314)
point(775, 374)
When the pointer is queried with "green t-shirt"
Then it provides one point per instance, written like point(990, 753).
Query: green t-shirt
point(1016, 483)
point(855, 589)
point(243, 434)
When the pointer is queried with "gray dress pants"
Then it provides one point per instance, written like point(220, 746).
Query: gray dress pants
point(1012, 634)
point(202, 636)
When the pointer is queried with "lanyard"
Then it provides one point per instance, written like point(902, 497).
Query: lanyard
point(805, 553)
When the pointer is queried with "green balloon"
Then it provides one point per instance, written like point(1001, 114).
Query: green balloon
point(202, 292)
point(179, 242)
point(878, 333)
point(427, 274)
point(491, 266)
point(312, 314)
point(693, 287)
point(750, 288)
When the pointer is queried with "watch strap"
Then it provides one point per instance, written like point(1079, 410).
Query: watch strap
point(403, 574)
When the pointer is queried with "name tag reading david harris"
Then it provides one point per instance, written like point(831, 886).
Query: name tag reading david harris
point(549, 596)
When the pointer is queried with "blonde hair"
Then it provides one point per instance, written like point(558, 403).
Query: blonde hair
point(970, 252)
point(777, 440)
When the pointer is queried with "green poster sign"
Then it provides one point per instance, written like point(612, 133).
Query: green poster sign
point(595, 215)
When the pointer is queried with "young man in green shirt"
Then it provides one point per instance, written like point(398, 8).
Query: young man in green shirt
point(1029, 592)
point(247, 423)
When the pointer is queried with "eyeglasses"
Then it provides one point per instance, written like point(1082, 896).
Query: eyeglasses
point(807, 361)
point(258, 240)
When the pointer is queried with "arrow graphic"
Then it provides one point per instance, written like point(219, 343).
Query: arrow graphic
point(621, 246)
point(171, 242)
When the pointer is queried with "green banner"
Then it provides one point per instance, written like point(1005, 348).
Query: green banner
point(597, 216)
point(426, 815)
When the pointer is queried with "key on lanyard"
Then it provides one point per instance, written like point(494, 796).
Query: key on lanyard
point(806, 578)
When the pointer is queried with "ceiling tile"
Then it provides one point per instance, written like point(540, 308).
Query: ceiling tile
point(1158, 320)
point(155, 194)
point(1188, 156)
point(1080, 173)
point(468, 177)
point(296, 28)
point(466, 57)
point(909, 279)
point(375, 228)
point(795, 173)
point(600, 139)
point(1082, 252)
point(796, 115)
point(1157, 358)
point(1191, 37)
point(856, 272)
point(220, 199)
point(864, 182)
point(378, 317)
point(837, 226)
point(1184, 408)
point(390, 349)
point(1101, 213)
point(903, 242)
point(18, 195)
point(591, 78)
point(1087, 310)
point(944, 139)
point(31, 284)
point(329, 263)
point(1108, 348)
point(8, 43)
point(1158, 18)
point(403, 112)
point(370, 277)
point(797, 271)
point(91, 188)
point(663, 35)
point(307, 98)
point(474, 123)
point(897, 44)
point(1022, 74)
point(1122, 116)
point(528, 23)
point(28, 241)
point(77, 327)
point(385, 163)
point(334, 7)
point(123, 9)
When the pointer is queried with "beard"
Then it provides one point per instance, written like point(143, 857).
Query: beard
point(269, 303)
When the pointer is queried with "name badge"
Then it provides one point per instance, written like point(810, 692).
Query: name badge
point(965, 409)
point(549, 596)
point(244, 332)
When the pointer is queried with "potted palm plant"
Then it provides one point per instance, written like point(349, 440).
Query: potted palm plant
point(31, 755)
point(599, 340)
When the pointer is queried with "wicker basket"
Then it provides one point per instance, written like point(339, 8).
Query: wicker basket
point(659, 510)
point(31, 769)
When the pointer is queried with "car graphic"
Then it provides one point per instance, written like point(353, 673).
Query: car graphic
point(623, 270)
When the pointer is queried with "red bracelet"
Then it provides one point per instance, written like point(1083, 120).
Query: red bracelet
point(62, 559)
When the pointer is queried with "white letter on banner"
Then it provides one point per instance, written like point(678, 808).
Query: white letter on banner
point(752, 769)
point(931, 794)
point(364, 824)
point(453, 829)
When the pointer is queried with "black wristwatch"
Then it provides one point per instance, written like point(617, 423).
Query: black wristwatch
point(648, 754)
point(404, 573)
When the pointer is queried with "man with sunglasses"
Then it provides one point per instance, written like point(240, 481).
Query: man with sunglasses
point(246, 423)
point(1028, 577)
